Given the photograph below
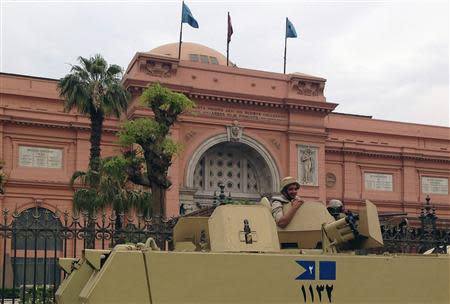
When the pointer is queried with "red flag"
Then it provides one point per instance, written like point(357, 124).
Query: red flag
point(230, 29)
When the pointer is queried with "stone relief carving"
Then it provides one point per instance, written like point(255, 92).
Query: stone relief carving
point(135, 90)
point(308, 165)
point(276, 143)
point(189, 135)
point(308, 88)
point(158, 68)
point(234, 132)
point(330, 179)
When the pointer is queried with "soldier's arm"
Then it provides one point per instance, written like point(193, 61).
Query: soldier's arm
point(286, 218)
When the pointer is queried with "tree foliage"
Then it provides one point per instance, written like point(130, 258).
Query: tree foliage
point(112, 187)
point(94, 88)
point(153, 137)
point(124, 181)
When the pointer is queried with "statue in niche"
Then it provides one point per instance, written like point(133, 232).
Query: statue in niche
point(308, 166)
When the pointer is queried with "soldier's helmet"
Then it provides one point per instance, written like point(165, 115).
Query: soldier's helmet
point(335, 204)
point(335, 208)
point(287, 181)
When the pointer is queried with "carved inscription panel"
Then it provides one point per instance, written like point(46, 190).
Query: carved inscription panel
point(38, 157)
point(436, 185)
point(238, 114)
point(378, 182)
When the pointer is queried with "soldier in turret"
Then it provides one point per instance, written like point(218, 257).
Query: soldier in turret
point(336, 209)
point(285, 205)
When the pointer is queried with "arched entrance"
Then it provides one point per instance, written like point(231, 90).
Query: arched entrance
point(245, 168)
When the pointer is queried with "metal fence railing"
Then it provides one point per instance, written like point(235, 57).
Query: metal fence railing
point(403, 239)
point(416, 235)
point(31, 242)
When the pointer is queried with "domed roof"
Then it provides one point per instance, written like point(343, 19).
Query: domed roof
point(191, 52)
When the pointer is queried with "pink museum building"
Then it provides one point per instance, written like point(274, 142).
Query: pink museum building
point(250, 128)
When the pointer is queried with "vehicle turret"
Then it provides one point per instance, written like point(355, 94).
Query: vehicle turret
point(251, 228)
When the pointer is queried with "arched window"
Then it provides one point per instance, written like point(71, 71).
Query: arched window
point(238, 167)
point(37, 228)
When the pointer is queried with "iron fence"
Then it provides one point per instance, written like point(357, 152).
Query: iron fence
point(31, 242)
point(404, 238)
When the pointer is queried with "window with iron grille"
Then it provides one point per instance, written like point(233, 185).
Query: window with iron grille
point(38, 228)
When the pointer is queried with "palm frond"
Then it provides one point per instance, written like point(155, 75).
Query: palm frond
point(78, 176)
point(86, 199)
point(114, 71)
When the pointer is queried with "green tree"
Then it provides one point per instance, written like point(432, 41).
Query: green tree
point(94, 89)
point(112, 187)
point(153, 137)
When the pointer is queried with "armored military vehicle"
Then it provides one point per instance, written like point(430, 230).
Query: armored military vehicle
point(238, 255)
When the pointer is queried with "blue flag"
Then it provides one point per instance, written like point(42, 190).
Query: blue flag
point(187, 17)
point(290, 29)
point(309, 270)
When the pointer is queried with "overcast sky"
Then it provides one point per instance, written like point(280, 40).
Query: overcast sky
point(387, 59)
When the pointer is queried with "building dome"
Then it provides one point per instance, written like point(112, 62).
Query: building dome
point(191, 52)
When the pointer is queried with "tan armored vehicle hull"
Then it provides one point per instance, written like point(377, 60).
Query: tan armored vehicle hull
point(221, 261)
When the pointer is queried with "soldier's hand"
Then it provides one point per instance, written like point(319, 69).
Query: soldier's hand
point(297, 202)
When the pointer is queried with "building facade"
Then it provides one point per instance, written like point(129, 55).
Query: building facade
point(249, 129)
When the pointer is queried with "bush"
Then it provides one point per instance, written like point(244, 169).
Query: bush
point(39, 295)
point(8, 293)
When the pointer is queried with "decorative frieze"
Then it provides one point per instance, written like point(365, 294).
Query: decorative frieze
point(307, 88)
point(158, 67)
point(393, 155)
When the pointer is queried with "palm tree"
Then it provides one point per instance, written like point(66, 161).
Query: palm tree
point(94, 89)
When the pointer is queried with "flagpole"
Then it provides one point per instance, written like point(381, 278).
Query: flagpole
point(228, 38)
point(181, 32)
point(285, 43)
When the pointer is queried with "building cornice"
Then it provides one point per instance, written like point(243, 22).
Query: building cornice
point(53, 123)
point(242, 99)
point(38, 184)
point(393, 203)
point(393, 155)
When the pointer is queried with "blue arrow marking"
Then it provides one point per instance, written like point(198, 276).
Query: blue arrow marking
point(309, 268)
